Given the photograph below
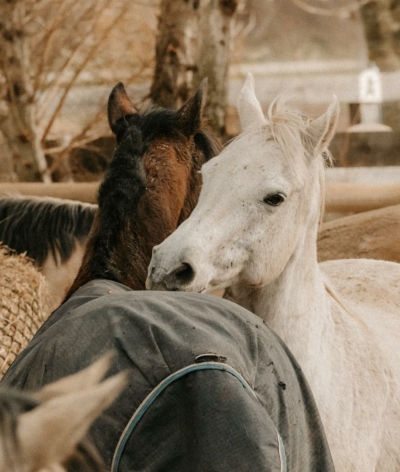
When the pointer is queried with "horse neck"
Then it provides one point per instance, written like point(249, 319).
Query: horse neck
point(296, 304)
point(126, 262)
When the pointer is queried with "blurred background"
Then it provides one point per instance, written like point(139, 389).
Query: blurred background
point(59, 60)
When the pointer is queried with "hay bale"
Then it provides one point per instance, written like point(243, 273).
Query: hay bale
point(24, 304)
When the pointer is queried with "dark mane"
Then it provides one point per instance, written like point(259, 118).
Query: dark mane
point(118, 198)
point(161, 122)
point(207, 143)
point(39, 225)
point(14, 403)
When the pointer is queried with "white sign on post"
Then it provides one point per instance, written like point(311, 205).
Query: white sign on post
point(370, 85)
point(370, 99)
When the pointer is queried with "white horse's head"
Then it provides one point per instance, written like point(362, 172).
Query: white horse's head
point(258, 198)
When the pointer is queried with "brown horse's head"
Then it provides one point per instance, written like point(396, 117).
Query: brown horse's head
point(152, 185)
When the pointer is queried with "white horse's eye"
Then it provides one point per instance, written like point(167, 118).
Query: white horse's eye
point(274, 200)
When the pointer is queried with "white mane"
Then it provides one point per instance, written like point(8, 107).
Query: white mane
point(289, 129)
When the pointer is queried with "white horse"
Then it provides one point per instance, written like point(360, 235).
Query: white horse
point(254, 230)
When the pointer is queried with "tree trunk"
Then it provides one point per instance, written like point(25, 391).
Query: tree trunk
point(175, 52)
point(6, 163)
point(213, 57)
point(382, 33)
point(18, 124)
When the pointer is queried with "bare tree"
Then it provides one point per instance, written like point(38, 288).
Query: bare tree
point(213, 56)
point(45, 46)
point(175, 52)
point(17, 119)
point(381, 20)
point(194, 41)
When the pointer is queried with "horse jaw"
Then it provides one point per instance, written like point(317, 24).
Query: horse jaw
point(250, 112)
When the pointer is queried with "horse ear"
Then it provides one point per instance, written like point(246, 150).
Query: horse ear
point(49, 433)
point(250, 112)
point(190, 114)
point(322, 129)
point(119, 105)
point(83, 379)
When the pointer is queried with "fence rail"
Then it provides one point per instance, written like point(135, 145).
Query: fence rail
point(356, 198)
point(82, 191)
point(344, 197)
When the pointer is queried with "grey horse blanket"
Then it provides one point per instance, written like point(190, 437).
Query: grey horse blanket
point(212, 388)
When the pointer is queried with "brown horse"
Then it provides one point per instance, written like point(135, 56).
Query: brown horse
point(152, 185)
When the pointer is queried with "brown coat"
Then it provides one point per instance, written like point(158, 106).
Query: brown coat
point(372, 235)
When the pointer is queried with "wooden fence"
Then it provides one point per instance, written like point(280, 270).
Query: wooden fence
point(343, 197)
point(82, 191)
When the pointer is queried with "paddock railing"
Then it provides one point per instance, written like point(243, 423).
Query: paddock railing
point(356, 198)
point(82, 191)
point(341, 197)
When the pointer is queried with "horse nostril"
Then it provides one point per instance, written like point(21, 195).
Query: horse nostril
point(184, 274)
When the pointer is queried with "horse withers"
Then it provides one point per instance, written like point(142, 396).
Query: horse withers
point(254, 232)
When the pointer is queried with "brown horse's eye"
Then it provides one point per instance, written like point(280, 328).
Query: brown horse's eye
point(274, 200)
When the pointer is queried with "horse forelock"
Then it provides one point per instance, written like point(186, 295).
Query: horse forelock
point(207, 144)
point(157, 135)
point(288, 127)
point(43, 225)
point(164, 123)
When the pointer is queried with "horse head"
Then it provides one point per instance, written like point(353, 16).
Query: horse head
point(257, 197)
point(152, 185)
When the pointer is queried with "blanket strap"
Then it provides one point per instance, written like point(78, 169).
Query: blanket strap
point(153, 395)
